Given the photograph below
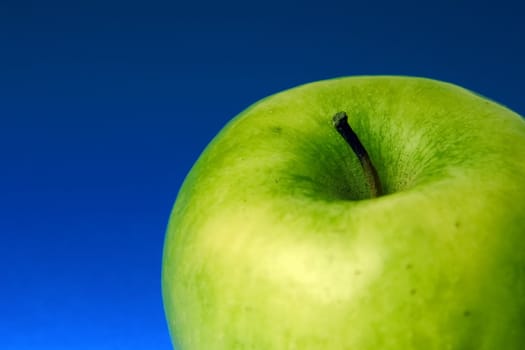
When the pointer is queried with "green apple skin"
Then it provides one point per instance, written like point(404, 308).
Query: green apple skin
point(273, 243)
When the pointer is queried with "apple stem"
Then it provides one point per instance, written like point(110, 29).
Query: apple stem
point(340, 121)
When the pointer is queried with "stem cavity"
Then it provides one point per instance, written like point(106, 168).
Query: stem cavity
point(340, 121)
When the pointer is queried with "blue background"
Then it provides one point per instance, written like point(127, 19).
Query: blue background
point(105, 105)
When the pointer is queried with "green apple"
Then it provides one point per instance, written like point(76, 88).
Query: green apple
point(283, 238)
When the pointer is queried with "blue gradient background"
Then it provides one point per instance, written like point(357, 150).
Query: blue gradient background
point(105, 105)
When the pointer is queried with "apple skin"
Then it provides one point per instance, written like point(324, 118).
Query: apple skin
point(273, 243)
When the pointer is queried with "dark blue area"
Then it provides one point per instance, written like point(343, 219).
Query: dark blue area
point(105, 105)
